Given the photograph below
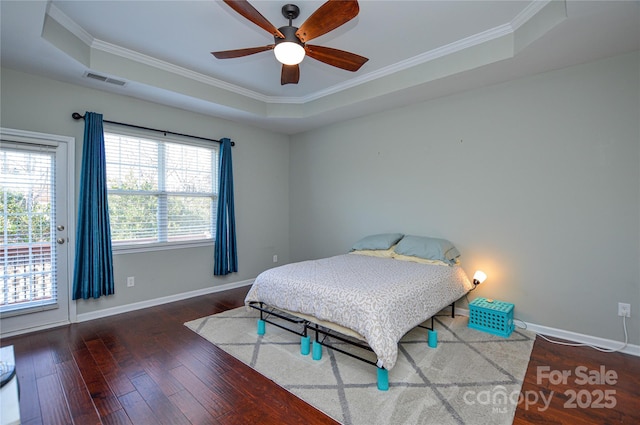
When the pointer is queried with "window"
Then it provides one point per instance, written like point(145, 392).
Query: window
point(160, 192)
point(27, 211)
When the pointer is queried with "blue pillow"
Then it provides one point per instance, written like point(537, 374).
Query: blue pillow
point(429, 248)
point(381, 241)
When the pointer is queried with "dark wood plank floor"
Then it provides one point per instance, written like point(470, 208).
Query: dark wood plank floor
point(145, 367)
point(597, 387)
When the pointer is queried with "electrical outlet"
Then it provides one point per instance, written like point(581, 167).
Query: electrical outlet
point(131, 281)
point(275, 258)
point(624, 309)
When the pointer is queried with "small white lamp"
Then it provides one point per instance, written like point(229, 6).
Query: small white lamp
point(478, 277)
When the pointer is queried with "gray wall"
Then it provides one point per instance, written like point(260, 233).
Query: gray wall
point(261, 180)
point(536, 181)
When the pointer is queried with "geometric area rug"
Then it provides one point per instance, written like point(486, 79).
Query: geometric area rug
point(471, 377)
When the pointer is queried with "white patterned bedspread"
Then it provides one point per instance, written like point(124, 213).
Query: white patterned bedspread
point(380, 298)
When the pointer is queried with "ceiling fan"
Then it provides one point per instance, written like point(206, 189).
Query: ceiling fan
point(290, 43)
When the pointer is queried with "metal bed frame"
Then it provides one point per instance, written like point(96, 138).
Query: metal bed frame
point(382, 374)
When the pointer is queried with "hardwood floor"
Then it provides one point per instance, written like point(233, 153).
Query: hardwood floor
point(597, 387)
point(145, 367)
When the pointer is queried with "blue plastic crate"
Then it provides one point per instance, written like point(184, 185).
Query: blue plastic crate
point(494, 317)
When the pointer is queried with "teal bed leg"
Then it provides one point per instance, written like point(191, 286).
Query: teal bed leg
point(432, 338)
point(304, 345)
point(317, 351)
point(383, 379)
point(261, 325)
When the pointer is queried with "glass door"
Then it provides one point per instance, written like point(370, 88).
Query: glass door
point(34, 262)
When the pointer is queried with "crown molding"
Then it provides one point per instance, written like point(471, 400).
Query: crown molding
point(529, 12)
point(69, 24)
point(420, 59)
point(175, 69)
point(129, 54)
point(525, 15)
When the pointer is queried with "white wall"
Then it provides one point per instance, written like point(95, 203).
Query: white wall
point(536, 181)
point(261, 182)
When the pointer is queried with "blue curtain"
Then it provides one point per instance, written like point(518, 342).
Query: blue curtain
point(226, 255)
point(93, 270)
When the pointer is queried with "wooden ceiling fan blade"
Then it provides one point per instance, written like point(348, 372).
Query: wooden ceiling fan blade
point(328, 17)
point(290, 74)
point(338, 58)
point(245, 9)
point(238, 53)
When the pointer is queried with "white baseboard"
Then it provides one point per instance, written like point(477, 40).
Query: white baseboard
point(34, 329)
point(159, 301)
point(539, 329)
point(609, 344)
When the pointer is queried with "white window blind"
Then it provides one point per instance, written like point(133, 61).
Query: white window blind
point(160, 192)
point(27, 219)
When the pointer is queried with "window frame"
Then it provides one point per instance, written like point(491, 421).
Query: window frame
point(126, 248)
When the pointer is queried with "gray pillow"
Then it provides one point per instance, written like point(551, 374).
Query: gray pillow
point(380, 241)
point(429, 248)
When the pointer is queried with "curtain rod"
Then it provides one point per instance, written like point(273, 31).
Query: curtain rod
point(77, 116)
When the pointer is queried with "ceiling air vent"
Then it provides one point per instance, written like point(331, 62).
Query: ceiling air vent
point(105, 79)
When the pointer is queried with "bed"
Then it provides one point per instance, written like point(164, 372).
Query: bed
point(375, 295)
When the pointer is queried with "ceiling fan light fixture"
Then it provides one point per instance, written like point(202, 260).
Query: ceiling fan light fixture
point(288, 50)
point(289, 42)
point(289, 53)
